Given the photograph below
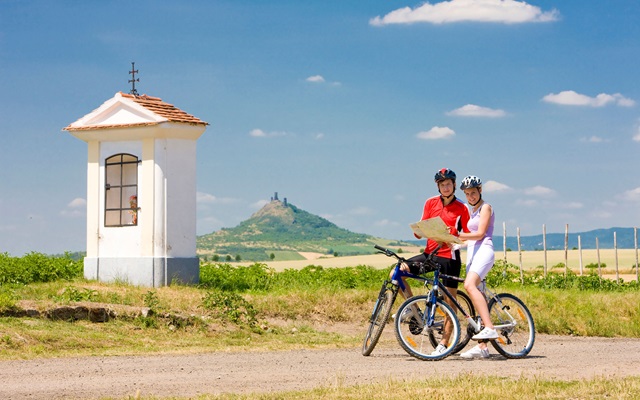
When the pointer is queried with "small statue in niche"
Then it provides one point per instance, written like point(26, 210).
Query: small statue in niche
point(133, 203)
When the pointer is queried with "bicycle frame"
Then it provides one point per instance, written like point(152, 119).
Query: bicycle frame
point(486, 292)
point(438, 288)
point(398, 275)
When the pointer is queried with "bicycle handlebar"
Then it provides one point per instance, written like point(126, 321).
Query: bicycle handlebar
point(387, 252)
point(429, 256)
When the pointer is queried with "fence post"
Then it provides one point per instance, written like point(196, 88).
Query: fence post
point(520, 256)
point(635, 241)
point(504, 242)
point(544, 246)
point(598, 253)
point(580, 253)
point(615, 250)
point(566, 247)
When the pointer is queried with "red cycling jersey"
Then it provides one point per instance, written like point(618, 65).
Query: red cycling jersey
point(454, 214)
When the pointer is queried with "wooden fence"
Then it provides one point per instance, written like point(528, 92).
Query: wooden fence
point(566, 251)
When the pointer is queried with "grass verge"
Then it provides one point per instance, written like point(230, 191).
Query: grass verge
point(463, 387)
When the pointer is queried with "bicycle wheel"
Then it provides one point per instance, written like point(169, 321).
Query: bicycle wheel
point(466, 331)
point(514, 324)
point(415, 332)
point(379, 317)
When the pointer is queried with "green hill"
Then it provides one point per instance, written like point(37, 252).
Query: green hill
point(284, 230)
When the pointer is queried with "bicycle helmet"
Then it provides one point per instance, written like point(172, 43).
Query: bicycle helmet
point(470, 181)
point(443, 174)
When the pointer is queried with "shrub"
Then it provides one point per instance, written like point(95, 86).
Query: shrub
point(38, 267)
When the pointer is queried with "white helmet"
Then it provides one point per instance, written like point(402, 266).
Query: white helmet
point(470, 181)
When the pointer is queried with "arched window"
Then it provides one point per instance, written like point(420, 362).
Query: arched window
point(121, 190)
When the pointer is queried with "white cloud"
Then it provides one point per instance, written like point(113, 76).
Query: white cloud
point(632, 195)
point(539, 191)
point(320, 79)
point(636, 137)
point(319, 136)
point(315, 79)
point(527, 202)
point(493, 11)
point(436, 133)
point(362, 210)
point(386, 223)
point(207, 198)
point(78, 202)
point(259, 204)
point(75, 208)
point(261, 133)
point(494, 187)
point(572, 98)
point(472, 110)
point(594, 139)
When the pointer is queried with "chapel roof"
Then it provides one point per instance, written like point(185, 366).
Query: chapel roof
point(162, 112)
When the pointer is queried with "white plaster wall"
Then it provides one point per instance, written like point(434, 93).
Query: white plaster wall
point(176, 194)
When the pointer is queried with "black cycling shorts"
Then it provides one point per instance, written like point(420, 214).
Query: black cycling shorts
point(448, 266)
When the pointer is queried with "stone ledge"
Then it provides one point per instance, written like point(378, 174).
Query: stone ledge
point(65, 313)
point(94, 314)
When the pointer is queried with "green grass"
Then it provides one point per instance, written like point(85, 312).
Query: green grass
point(272, 310)
point(463, 387)
point(190, 319)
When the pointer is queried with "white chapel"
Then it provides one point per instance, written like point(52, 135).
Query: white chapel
point(141, 191)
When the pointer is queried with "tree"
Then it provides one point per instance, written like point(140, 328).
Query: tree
point(238, 258)
point(272, 256)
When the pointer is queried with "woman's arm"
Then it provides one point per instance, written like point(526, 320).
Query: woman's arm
point(485, 215)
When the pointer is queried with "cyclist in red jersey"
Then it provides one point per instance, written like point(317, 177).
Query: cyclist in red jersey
point(455, 215)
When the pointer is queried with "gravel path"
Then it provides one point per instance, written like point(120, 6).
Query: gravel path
point(558, 357)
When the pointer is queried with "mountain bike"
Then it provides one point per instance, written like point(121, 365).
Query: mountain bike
point(387, 297)
point(510, 316)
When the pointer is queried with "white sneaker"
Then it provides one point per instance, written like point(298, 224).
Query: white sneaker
point(486, 334)
point(439, 350)
point(476, 352)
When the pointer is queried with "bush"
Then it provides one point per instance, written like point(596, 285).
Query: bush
point(38, 267)
point(230, 307)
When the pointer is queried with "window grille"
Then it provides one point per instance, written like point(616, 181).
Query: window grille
point(121, 190)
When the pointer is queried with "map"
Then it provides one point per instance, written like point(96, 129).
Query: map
point(434, 229)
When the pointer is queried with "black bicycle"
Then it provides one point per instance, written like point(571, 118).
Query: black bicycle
point(387, 297)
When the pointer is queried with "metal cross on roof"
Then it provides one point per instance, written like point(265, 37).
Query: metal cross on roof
point(133, 81)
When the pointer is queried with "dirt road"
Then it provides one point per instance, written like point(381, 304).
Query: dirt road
point(558, 357)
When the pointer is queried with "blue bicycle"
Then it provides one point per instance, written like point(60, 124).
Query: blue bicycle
point(420, 336)
point(387, 297)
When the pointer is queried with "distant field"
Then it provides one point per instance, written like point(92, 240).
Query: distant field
point(530, 260)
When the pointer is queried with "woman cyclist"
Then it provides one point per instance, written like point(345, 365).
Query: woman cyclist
point(480, 258)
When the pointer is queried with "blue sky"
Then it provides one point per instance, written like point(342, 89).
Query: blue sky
point(346, 108)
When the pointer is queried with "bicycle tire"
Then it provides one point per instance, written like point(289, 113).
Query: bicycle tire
point(379, 317)
point(516, 341)
point(416, 340)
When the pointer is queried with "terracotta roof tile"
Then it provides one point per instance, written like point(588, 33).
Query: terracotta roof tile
point(169, 111)
point(153, 104)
